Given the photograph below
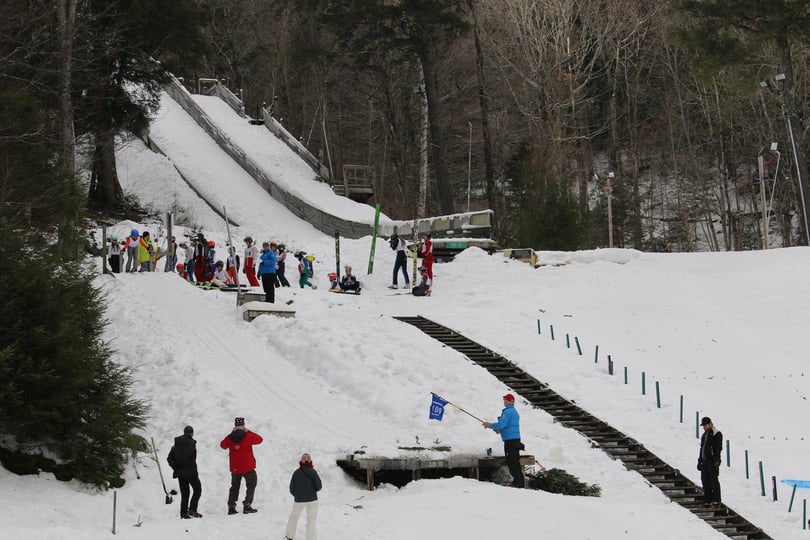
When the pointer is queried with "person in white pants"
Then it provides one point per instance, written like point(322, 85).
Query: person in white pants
point(304, 487)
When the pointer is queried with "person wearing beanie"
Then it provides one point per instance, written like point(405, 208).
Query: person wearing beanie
point(709, 460)
point(267, 271)
point(508, 425)
point(304, 487)
point(183, 461)
point(239, 443)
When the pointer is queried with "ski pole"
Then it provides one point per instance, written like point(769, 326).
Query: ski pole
point(457, 407)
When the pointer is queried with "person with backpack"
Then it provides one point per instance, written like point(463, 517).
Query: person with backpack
point(200, 252)
point(183, 461)
point(304, 270)
point(401, 261)
point(239, 443)
point(304, 487)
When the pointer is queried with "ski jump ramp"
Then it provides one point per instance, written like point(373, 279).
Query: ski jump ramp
point(283, 168)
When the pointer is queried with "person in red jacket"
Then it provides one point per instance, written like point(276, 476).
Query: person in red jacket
point(239, 443)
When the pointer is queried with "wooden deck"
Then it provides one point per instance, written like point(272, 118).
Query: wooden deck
point(373, 470)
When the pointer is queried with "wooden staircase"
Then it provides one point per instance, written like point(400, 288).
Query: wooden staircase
point(616, 444)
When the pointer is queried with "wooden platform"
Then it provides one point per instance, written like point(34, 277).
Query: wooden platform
point(246, 297)
point(372, 469)
point(251, 310)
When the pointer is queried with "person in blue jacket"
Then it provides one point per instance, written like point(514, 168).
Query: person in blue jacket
point(267, 271)
point(508, 425)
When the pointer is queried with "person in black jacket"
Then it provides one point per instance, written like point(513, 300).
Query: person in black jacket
point(304, 486)
point(183, 461)
point(709, 460)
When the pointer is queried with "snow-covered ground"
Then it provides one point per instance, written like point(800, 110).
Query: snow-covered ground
point(725, 331)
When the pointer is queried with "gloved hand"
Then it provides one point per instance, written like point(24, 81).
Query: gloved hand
point(700, 465)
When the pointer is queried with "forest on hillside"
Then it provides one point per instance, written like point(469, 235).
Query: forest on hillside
point(685, 115)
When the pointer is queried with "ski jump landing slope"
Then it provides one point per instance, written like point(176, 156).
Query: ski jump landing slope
point(216, 150)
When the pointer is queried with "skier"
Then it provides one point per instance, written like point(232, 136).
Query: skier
point(398, 245)
point(232, 265)
point(200, 251)
point(221, 277)
point(131, 247)
point(282, 264)
point(239, 443)
point(304, 270)
point(426, 251)
point(183, 461)
point(251, 255)
point(349, 282)
point(114, 255)
point(423, 289)
point(709, 460)
point(267, 271)
point(508, 425)
point(304, 487)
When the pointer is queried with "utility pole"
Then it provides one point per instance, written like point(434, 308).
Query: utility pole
point(609, 188)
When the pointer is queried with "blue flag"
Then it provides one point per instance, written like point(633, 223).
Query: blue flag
point(437, 408)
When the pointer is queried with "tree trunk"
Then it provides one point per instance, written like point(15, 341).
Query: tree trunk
point(439, 141)
point(105, 190)
point(489, 169)
point(66, 17)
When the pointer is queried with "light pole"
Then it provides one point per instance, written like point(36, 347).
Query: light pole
point(780, 77)
point(609, 188)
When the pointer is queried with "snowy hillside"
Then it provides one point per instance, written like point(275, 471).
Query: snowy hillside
point(725, 331)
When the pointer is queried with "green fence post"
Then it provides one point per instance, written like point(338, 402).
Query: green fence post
point(762, 478)
point(792, 495)
point(680, 416)
point(539, 331)
point(596, 355)
point(552, 331)
point(697, 424)
point(610, 365)
point(579, 349)
point(625, 374)
point(643, 383)
point(747, 476)
point(567, 341)
point(728, 453)
point(657, 394)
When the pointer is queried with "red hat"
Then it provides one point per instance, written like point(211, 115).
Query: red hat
point(509, 397)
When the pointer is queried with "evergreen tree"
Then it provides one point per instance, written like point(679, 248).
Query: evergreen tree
point(60, 391)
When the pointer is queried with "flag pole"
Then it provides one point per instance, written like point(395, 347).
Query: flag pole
point(456, 406)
